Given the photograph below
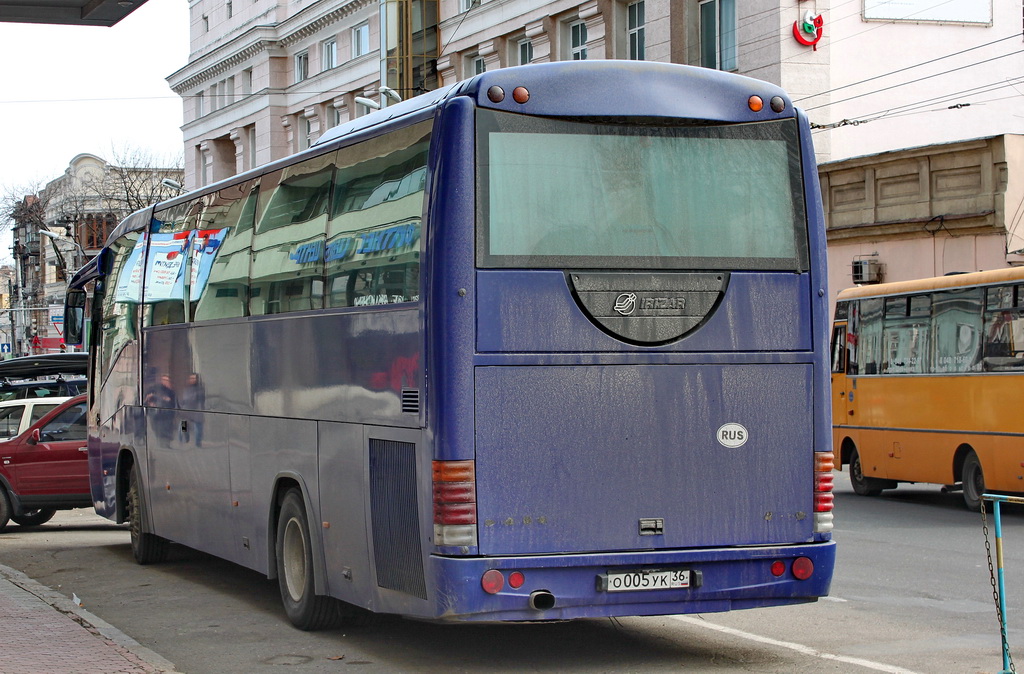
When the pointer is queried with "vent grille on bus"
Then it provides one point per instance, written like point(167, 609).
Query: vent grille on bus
point(410, 401)
point(395, 517)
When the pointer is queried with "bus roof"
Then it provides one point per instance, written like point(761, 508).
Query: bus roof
point(977, 278)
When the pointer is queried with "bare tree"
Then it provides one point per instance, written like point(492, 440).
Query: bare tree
point(135, 179)
point(95, 194)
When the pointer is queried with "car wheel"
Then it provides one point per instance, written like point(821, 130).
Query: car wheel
point(33, 518)
point(5, 508)
point(306, 609)
point(147, 548)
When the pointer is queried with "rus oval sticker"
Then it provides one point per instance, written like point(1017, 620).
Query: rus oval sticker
point(732, 435)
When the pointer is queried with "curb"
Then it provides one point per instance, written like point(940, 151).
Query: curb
point(90, 622)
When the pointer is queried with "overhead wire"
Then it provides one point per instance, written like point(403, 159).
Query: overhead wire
point(912, 108)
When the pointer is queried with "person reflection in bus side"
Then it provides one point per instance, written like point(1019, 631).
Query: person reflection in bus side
point(194, 398)
point(162, 396)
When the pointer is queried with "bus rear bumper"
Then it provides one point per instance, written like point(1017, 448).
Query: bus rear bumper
point(564, 587)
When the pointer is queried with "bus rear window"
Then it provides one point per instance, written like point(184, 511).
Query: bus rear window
point(555, 193)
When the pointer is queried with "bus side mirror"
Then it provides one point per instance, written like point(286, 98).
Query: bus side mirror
point(74, 317)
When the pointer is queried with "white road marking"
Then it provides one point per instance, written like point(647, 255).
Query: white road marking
point(799, 648)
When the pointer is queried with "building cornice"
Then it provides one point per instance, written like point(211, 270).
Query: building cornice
point(306, 30)
point(259, 39)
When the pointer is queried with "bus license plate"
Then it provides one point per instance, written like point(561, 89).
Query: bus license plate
point(646, 579)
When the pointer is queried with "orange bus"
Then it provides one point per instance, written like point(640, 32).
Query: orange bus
point(926, 379)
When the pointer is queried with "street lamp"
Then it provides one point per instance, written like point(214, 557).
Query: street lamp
point(58, 238)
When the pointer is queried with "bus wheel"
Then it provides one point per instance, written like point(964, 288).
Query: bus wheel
point(147, 548)
point(865, 486)
point(973, 482)
point(5, 508)
point(306, 610)
point(34, 518)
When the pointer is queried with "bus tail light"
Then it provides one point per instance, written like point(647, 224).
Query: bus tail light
point(454, 503)
point(824, 462)
point(493, 581)
point(803, 568)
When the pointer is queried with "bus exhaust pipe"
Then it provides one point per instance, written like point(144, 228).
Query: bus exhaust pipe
point(542, 600)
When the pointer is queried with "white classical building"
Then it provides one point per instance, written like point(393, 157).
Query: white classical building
point(267, 77)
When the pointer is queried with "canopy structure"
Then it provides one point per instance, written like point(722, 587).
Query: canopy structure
point(45, 365)
point(67, 12)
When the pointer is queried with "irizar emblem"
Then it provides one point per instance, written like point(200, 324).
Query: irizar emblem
point(625, 303)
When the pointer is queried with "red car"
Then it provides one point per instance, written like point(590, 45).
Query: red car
point(46, 468)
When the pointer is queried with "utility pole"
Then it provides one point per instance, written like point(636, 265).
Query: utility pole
point(10, 301)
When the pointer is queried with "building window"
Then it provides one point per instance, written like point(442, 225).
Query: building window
point(578, 41)
point(329, 54)
point(477, 65)
point(306, 132)
point(466, 5)
point(229, 91)
point(230, 9)
point(206, 24)
point(247, 81)
point(200, 104)
point(525, 52)
point(635, 30)
point(250, 136)
point(718, 34)
point(361, 40)
point(301, 66)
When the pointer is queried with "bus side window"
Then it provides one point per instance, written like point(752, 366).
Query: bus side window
point(1004, 331)
point(119, 294)
point(373, 237)
point(839, 349)
point(956, 324)
point(167, 263)
point(868, 332)
point(289, 244)
point(220, 254)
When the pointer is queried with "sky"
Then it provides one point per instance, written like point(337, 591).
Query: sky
point(73, 89)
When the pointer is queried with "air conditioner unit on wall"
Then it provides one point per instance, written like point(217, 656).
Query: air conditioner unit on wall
point(867, 271)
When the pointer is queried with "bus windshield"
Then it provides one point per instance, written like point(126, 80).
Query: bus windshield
point(596, 194)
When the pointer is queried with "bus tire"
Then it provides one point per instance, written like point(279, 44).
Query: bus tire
point(34, 518)
point(865, 486)
point(146, 548)
point(5, 509)
point(973, 482)
point(305, 609)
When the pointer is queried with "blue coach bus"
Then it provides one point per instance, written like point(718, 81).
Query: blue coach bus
point(544, 344)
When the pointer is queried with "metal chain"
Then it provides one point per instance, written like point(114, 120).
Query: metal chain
point(995, 586)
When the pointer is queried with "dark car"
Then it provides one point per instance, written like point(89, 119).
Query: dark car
point(46, 468)
point(28, 390)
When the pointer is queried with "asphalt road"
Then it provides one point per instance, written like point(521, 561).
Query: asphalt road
point(911, 594)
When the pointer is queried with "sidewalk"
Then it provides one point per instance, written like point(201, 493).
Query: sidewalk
point(46, 633)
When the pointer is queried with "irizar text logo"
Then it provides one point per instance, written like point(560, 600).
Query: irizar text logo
point(625, 303)
point(732, 435)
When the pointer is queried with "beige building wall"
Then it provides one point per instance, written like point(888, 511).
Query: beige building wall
point(927, 211)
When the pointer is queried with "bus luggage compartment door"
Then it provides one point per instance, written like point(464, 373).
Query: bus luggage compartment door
point(585, 458)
